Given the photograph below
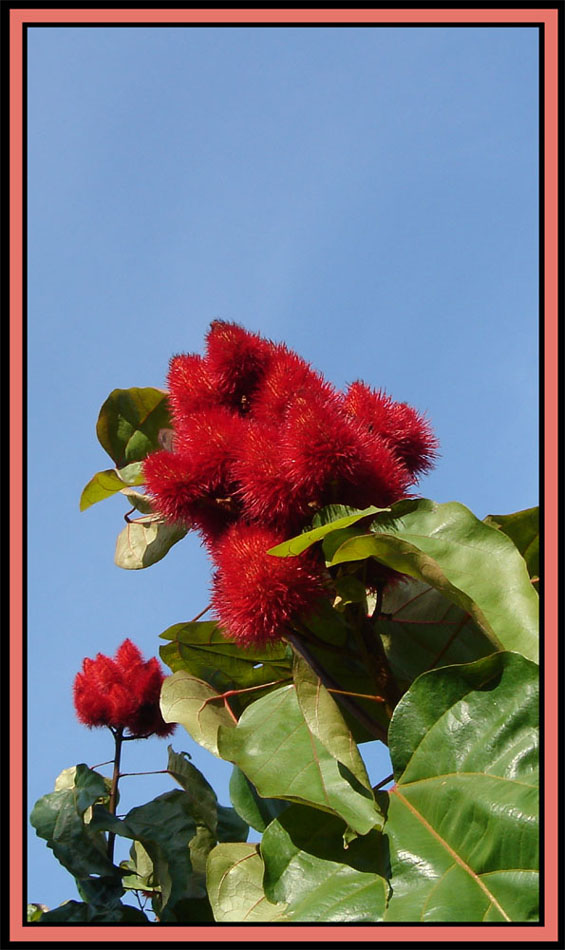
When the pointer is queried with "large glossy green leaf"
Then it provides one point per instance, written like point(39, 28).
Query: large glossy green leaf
point(59, 818)
point(255, 810)
point(462, 817)
point(199, 648)
point(34, 912)
point(234, 880)
point(145, 541)
point(523, 528)
point(273, 745)
point(421, 629)
point(165, 827)
point(75, 912)
point(107, 483)
point(130, 421)
point(197, 706)
point(231, 825)
point(471, 563)
point(325, 721)
point(297, 545)
point(204, 801)
point(332, 644)
point(139, 871)
point(309, 867)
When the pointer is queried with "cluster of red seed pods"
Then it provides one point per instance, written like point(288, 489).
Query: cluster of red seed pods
point(121, 692)
point(261, 442)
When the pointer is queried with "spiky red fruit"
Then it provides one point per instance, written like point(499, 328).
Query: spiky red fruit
point(122, 693)
point(257, 595)
point(329, 458)
point(288, 377)
point(174, 483)
point(210, 442)
point(236, 360)
point(267, 495)
point(191, 387)
point(407, 431)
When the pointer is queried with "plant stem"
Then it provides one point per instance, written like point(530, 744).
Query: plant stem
point(118, 739)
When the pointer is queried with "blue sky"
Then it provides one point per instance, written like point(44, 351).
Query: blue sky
point(366, 195)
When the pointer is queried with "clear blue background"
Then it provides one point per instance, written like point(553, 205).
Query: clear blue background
point(367, 195)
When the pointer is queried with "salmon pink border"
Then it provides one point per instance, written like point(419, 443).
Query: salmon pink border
point(543, 16)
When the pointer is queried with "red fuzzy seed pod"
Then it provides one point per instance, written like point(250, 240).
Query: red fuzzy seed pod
point(320, 447)
point(121, 693)
point(377, 477)
point(191, 388)
point(236, 360)
point(289, 377)
point(408, 432)
point(329, 458)
point(211, 440)
point(256, 595)
point(174, 484)
point(267, 495)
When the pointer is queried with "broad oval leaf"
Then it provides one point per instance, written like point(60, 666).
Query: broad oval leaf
point(130, 421)
point(234, 881)
point(462, 818)
point(200, 648)
point(421, 629)
point(471, 563)
point(105, 484)
point(255, 810)
point(145, 541)
point(165, 827)
point(297, 545)
point(309, 866)
point(196, 706)
point(273, 745)
point(523, 528)
point(59, 818)
point(205, 802)
point(324, 720)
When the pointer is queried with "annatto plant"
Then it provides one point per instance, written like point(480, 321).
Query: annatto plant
point(347, 610)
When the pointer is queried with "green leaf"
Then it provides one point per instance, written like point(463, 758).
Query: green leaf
point(335, 649)
point(255, 810)
point(523, 528)
point(231, 827)
point(194, 704)
point(201, 650)
point(130, 421)
point(74, 912)
point(422, 629)
point(274, 747)
point(59, 818)
point(204, 801)
point(105, 484)
point(470, 562)
point(462, 818)
point(142, 503)
point(141, 876)
point(234, 880)
point(309, 867)
point(324, 720)
point(35, 912)
point(301, 542)
point(145, 541)
point(164, 827)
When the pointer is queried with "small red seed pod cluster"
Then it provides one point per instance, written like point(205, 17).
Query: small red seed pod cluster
point(122, 693)
point(261, 442)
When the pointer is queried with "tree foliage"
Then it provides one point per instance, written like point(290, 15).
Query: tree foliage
point(440, 665)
